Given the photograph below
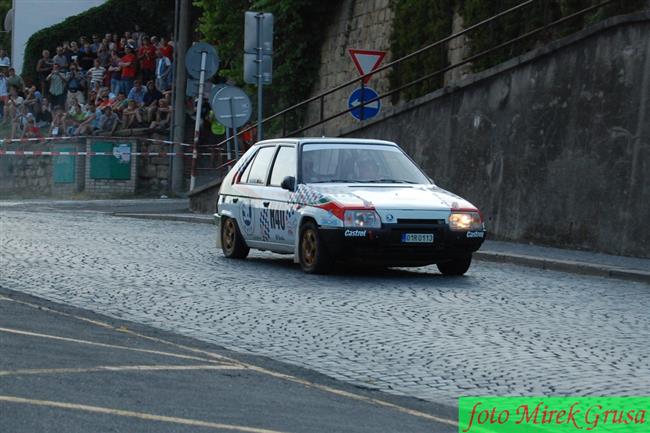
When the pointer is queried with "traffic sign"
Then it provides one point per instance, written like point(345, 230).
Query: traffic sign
point(366, 61)
point(370, 109)
point(250, 69)
point(193, 60)
point(232, 107)
point(253, 23)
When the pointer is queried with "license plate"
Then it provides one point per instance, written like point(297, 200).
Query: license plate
point(417, 238)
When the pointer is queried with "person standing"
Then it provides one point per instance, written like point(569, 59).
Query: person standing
point(163, 71)
point(15, 81)
point(5, 61)
point(4, 94)
point(43, 69)
point(96, 75)
point(57, 86)
point(75, 83)
point(127, 63)
point(147, 57)
point(60, 58)
point(115, 73)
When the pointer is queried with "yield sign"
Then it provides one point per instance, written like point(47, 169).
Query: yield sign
point(366, 61)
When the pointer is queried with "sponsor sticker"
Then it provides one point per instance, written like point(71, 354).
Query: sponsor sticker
point(553, 414)
point(355, 233)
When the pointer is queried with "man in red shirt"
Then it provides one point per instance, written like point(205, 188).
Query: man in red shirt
point(166, 49)
point(147, 57)
point(128, 63)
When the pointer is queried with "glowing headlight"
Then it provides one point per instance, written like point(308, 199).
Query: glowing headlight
point(361, 218)
point(463, 221)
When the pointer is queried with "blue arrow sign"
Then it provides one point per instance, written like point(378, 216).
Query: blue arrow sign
point(370, 110)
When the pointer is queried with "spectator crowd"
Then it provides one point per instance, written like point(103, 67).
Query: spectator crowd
point(95, 85)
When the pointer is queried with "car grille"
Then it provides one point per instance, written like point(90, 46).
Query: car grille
point(420, 221)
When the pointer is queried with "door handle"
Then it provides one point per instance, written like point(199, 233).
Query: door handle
point(266, 203)
point(235, 200)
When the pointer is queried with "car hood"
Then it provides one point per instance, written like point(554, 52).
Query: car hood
point(390, 196)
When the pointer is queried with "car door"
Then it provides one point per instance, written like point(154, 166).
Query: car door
point(251, 190)
point(282, 218)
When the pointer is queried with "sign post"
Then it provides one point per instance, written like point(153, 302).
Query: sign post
point(197, 122)
point(258, 42)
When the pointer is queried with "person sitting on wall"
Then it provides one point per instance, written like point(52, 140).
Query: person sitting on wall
point(163, 115)
point(108, 123)
point(31, 129)
point(131, 116)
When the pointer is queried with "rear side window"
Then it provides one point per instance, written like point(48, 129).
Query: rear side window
point(285, 165)
point(258, 169)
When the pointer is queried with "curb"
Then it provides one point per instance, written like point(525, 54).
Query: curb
point(570, 266)
point(198, 219)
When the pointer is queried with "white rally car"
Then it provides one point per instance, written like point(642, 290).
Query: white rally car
point(338, 199)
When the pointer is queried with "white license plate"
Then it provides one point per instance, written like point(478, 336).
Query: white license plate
point(417, 238)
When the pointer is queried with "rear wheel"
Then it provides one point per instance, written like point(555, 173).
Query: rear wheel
point(232, 242)
point(314, 258)
point(455, 266)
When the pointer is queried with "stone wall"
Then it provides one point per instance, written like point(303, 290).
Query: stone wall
point(360, 24)
point(31, 176)
point(553, 146)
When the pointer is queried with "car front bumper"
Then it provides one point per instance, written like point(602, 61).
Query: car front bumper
point(385, 246)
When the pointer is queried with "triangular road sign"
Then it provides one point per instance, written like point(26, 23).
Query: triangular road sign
point(366, 61)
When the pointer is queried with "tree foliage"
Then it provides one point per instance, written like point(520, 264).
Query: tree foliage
point(299, 32)
point(5, 37)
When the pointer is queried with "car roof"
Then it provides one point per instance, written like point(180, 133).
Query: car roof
point(326, 140)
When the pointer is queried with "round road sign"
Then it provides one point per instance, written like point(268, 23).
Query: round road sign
point(193, 60)
point(232, 106)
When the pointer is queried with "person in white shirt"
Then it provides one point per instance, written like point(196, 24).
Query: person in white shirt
point(5, 62)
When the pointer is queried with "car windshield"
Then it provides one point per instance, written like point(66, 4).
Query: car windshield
point(354, 163)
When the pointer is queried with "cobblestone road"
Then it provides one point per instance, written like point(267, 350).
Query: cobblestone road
point(502, 329)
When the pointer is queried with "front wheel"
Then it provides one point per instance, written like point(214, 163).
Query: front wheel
point(455, 266)
point(232, 242)
point(314, 257)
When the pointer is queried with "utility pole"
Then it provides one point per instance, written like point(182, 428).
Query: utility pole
point(178, 126)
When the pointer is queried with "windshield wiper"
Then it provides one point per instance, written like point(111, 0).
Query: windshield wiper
point(386, 181)
point(335, 181)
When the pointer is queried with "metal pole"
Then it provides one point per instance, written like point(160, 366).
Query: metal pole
point(234, 128)
point(178, 125)
point(260, 58)
point(198, 121)
point(228, 150)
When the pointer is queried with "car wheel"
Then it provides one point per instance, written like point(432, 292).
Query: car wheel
point(455, 266)
point(232, 242)
point(314, 258)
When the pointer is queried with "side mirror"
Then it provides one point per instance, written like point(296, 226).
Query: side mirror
point(288, 183)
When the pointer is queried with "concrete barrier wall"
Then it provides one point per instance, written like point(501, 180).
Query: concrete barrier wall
point(553, 146)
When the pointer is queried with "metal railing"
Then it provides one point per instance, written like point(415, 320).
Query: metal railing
point(322, 118)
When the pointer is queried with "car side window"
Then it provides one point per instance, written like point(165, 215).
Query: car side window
point(259, 168)
point(284, 165)
point(246, 170)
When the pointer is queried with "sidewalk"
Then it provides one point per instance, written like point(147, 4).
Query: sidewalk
point(556, 259)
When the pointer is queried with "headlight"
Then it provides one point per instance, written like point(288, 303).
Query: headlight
point(464, 221)
point(361, 218)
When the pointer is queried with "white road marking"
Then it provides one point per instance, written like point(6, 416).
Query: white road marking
point(117, 368)
point(289, 378)
point(110, 346)
point(131, 414)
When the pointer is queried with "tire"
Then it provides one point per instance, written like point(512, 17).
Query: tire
point(455, 266)
point(314, 257)
point(232, 242)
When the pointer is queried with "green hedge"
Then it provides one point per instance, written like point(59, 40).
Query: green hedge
point(155, 17)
